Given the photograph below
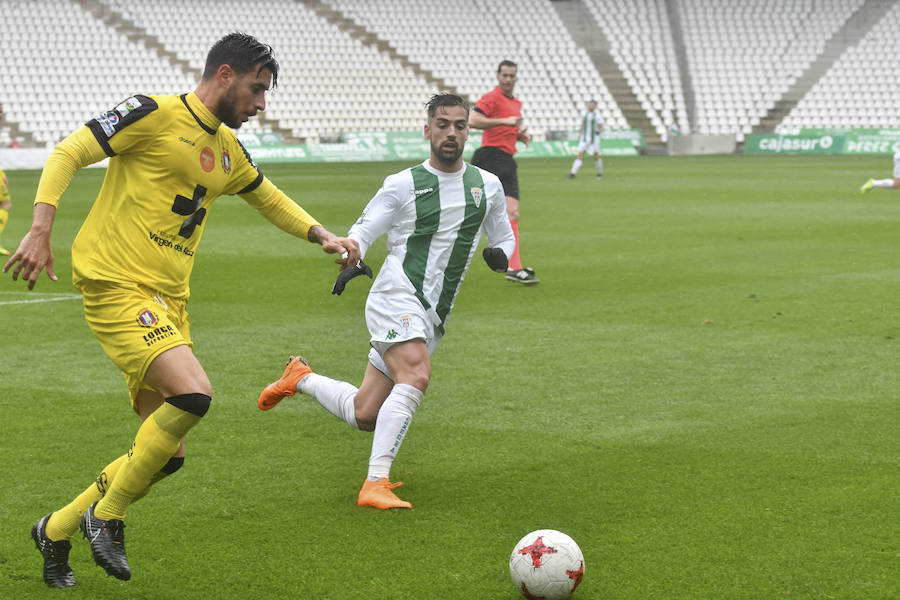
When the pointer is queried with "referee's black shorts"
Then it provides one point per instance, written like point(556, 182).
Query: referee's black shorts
point(496, 161)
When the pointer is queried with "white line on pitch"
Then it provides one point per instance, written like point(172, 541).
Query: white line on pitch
point(54, 298)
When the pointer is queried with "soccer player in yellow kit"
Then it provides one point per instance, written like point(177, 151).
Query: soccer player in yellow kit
point(5, 205)
point(171, 157)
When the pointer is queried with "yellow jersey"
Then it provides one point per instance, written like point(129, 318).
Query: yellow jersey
point(170, 158)
point(4, 187)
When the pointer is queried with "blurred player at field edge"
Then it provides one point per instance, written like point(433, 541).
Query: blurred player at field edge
point(170, 157)
point(5, 206)
point(499, 113)
point(589, 139)
point(885, 183)
point(433, 215)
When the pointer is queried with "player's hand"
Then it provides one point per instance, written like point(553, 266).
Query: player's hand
point(31, 257)
point(524, 136)
point(348, 249)
point(349, 273)
point(495, 259)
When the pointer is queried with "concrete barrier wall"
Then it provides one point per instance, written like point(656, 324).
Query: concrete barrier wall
point(702, 144)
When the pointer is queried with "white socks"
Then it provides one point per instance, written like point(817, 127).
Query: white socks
point(576, 165)
point(883, 183)
point(336, 396)
point(390, 428)
point(599, 164)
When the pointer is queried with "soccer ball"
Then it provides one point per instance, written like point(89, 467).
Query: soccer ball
point(546, 565)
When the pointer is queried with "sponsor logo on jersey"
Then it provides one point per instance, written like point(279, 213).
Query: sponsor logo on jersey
point(425, 191)
point(147, 319)
point(207, 159)
point(108, 122)
point(226, 162)
point(476, 196)
point(128, 105)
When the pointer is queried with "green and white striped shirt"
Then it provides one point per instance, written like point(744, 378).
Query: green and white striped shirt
point(433, 221)
point(591, 123)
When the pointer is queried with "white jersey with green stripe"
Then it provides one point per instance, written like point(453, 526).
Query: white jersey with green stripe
point(591, 124)
point(433, 221)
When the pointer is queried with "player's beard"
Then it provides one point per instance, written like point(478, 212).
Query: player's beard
point(446, 157)
point(226, 111)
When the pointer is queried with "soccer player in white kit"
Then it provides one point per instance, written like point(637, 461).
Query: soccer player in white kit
point(589, 139)
point(433, 215)
point(886, 183)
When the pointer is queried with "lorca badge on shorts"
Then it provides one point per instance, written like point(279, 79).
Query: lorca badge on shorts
point(147, 319)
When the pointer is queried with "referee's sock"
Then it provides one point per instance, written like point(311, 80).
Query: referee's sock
point(515, 263)
point(156, 442)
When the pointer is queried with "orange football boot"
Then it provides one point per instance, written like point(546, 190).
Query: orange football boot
point(297, 368)
point(379, 494)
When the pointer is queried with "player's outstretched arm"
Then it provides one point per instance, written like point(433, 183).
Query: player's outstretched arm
point(348, 248)
point(34, 253)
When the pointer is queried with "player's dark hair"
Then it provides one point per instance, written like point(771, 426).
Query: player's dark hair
point(507, 63)
point(445, 99)
point(243, 53)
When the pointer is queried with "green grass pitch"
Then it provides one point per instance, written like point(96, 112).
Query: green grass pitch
point(702, 392)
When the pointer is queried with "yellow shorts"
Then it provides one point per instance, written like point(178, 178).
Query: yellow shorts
point(134, 325)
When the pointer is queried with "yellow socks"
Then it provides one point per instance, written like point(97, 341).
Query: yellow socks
point(63, 523)
point(156, 442)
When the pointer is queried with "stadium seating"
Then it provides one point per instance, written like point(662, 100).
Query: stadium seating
point(369, 65)
point(861, 89)
point(745, 54)
point(53, 81)
point(556, 77)
point(329, 82)
point(641, 44)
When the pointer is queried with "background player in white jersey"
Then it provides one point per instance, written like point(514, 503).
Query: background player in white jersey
point(589, 139)
point(433, 215)
point(886, 183)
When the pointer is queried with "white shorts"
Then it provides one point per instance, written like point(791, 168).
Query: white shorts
point(897, 166)
point(590, 148)
point(393, 318)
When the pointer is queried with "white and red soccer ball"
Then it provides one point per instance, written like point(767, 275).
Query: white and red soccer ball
point(546, 565)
